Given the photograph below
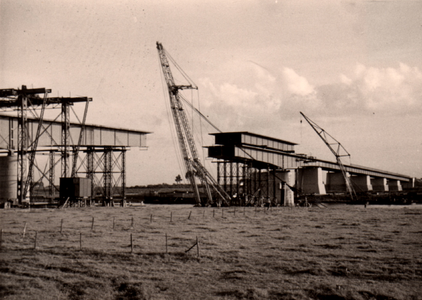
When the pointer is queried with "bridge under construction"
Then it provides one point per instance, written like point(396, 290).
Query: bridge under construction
point(65, 161)
point(36, 154)
point(254, 169)
point(257, 168)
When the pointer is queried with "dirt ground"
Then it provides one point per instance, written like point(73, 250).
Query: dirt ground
point(337, 252)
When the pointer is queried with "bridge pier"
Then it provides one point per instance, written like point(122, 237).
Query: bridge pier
point(287, 195)
point(336, 183)
point(311, 181)
point(394, 185)
point(362, 183)
point(379, 184)
point(408, 185)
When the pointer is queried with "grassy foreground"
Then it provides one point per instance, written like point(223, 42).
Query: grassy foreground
point(338, 252)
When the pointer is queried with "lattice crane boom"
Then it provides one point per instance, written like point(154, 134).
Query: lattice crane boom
point(185, 138)
point(336, 148)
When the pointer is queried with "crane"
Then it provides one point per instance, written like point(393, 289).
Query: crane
point(339, 152)
point(194, 167)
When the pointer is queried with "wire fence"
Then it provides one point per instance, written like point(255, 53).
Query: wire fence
point(148, 233)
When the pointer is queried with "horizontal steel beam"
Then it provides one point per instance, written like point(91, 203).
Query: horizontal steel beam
point(23, 91)
point(94, 135)
point(37, 101)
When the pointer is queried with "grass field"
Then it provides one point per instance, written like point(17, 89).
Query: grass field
point(338, 252)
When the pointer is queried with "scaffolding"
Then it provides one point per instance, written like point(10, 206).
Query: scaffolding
point(66, 143)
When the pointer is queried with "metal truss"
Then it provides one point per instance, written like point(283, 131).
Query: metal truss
point(61, 153)
point(106, 167)
point(249, 183)
point(28, 103)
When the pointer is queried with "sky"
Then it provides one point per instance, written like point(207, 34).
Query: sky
point(353, 67)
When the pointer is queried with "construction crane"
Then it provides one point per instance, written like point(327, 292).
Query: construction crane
point(193, 165)
point(338, 150)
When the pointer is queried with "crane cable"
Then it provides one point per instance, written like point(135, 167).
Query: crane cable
point(170, 118)
point(200, 127)
point(180, 69)
point(241, 149)
point(191, 105)
point(202, 115)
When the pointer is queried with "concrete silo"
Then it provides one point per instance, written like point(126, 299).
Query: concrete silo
point(8, 178)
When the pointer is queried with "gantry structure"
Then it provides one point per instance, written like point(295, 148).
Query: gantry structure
point(69, 144)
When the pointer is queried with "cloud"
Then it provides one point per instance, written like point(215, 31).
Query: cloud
point(237, 96)
point(243, 102)
point(296, 84)
point(264, 100)
point(387, 90)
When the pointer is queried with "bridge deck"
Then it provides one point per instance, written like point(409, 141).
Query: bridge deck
point(52, 130)
point(355, 169)
point(261, 150)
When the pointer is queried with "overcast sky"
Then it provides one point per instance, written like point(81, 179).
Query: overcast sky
point(353, 67)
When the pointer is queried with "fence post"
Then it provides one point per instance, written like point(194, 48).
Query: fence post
point(80, 241)
point(61, 226)
point(1, 238)
point(189, 215)
point(166, 244)
point(35, 241)
point(114, 221)
point(131, 243)
point(92, 225)
point(197, 246)
point(24, 230)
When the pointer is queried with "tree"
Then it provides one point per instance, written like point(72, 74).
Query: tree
point(178, 179)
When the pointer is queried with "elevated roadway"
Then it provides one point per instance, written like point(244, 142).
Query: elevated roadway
point(312, 175)
point(354, 169)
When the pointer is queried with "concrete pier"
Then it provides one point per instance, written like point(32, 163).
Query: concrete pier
point(379, 184)
point(335, 183)
point(311, 181)
point(362, 183)
point(394, 186)
point(289, 178)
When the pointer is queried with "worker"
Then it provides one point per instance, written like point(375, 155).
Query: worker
point(268, 203)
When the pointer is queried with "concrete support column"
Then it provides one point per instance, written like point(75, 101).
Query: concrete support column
point(336, 183)
point(311, 181)
point(408, 184)
point(288, 195)
point(362, 182)
point(394, 186)
point(379, 184)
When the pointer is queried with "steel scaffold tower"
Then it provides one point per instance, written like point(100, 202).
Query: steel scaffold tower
point(27, 101)
point(106, 167)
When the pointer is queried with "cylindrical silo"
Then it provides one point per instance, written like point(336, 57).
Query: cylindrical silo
point(287, 193)
point(8, 177)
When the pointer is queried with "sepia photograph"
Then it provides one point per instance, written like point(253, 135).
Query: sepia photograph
point(188, 149)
